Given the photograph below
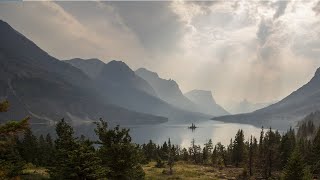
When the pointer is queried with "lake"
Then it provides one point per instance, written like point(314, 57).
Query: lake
point(180, 134)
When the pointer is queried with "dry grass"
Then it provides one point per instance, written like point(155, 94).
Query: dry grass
point(184, 170)
point(35, 173)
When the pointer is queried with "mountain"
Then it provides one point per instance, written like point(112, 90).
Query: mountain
point(313, 117)
point(167, 90)
point(286, 112)
point(115, 73)
point(92, 69)
point(47, 89)
point(123, 87)
point(246, 106)
point(204, 101)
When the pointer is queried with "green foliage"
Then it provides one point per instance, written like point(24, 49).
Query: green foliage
point(315, 153)
point(74, 159)
point(117, 152)
point(238, 152)
point(4, 106)
point(29, 149)
point(295, 168)
point(12, 128)
point(11, 163)
point(287, 146)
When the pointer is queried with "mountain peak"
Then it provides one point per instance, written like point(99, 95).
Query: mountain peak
point(205, 100)
point(146, 72)
point(317, 73)
point(205, 94)
point(3, 23)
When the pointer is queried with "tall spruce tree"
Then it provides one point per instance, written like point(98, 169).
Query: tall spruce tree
point(315, 153)
point(11, 163)
point(295, 168)
point(118, 153)
point(30, 148)
point(238, 148)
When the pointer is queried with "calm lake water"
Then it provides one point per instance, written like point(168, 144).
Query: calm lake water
point(181, 135)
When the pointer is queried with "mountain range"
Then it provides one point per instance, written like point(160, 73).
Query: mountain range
point(82, 91)
point(47, 89)
point(286, 112)
point(169, 91)
point(246, 106)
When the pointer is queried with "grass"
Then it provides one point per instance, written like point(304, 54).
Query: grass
point(34, 173)
point(181, 170)
point(185, 170)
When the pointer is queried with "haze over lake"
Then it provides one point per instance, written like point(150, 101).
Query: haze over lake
point(180, 134)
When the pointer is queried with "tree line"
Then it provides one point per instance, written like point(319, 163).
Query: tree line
point(287, 155)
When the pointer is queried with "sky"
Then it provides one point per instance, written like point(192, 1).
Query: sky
point(255, 50)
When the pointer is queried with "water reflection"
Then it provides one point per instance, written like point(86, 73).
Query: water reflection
point(180, 134)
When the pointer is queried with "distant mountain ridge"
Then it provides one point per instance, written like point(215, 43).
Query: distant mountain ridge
point(205, 101)
point(169, 91)
point(47, 89)
point(246, 106)
point(286, 112)
point(123, 87)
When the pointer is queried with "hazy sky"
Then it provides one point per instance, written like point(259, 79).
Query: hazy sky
point(258, 50)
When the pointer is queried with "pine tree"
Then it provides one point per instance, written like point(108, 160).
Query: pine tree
point(238, 148)
point(171, 159)
point(294, 170)
point(86, 163)
point(315, 153)
point(214, 157)
point(63, 168)
point(209, 146)
point(185, 154)
point(29, 147)
point(11, 163)
point(287, 146)
point(250, 156)
point(117, 152)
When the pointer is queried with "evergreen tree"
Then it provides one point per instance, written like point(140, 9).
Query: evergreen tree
point(287, 146)
point(209, 146)
point(294, 170)
point(171, 158)
point(238, 148)
point(117, 153)
point(86, 163)
point(63, 167)
point(11, 163)
point(214, 157)
point(185, 154)
point(150, 151)
point(315, 153)
point(29, 147)
point(205, 154)
point(250, 156)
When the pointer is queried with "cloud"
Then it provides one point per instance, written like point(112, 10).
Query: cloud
point(64, 35)
point(316, 8)
point(281, 7)
point(258, 50)
point(155, 25)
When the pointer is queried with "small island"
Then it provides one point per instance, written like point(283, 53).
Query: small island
point(193, 126)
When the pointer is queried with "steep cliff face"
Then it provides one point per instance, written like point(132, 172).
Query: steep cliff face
point(205, 102)
point(167, 90)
